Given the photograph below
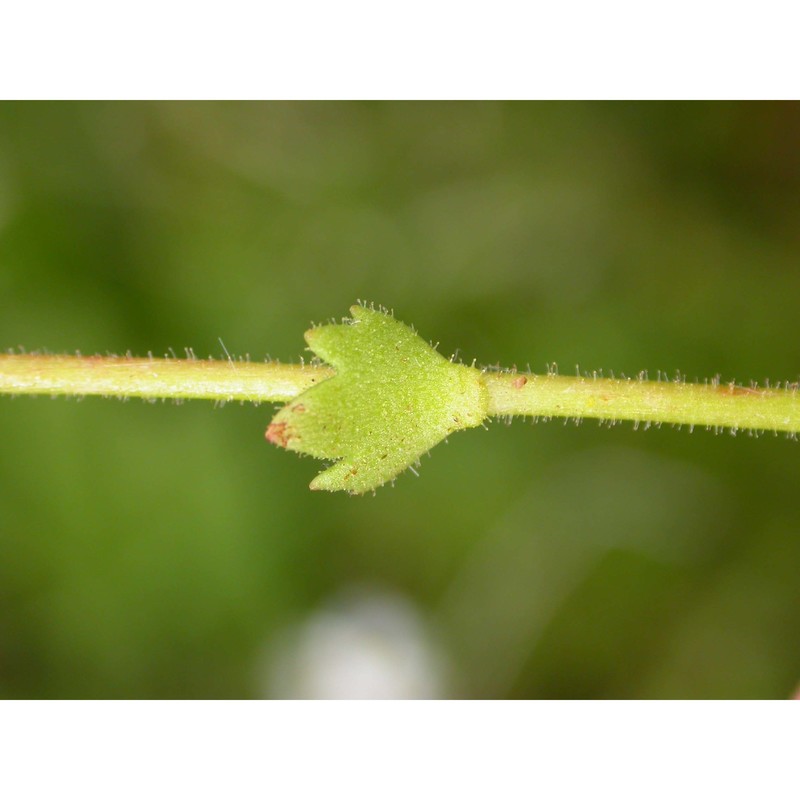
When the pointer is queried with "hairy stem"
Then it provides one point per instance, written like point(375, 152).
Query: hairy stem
point(510, 394)
point(113, 376)
point(713, 404)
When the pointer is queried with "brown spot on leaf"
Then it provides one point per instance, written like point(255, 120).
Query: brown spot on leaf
point(277, 434)
point(519, 382)
point(298, 409)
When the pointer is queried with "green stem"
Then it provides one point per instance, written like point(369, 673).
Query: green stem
point(113, 376)
point(714, 405)
point(509, 394)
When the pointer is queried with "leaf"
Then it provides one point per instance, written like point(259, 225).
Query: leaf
point(393, 398)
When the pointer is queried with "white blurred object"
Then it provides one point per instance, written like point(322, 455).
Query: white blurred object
point(364, 645)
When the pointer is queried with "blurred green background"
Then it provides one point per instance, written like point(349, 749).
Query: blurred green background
point(157, 550)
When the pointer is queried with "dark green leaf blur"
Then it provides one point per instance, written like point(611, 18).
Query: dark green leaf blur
point(168, 551)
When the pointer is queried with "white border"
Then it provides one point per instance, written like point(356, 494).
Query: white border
point(400, 750)
point(415, 49)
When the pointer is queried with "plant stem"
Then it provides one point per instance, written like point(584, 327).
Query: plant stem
point(712, 405)
point(120, 376)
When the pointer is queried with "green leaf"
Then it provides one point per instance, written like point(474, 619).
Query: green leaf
point(393, 398)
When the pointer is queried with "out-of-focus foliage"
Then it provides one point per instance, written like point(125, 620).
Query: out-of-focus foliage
point(152, 550)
